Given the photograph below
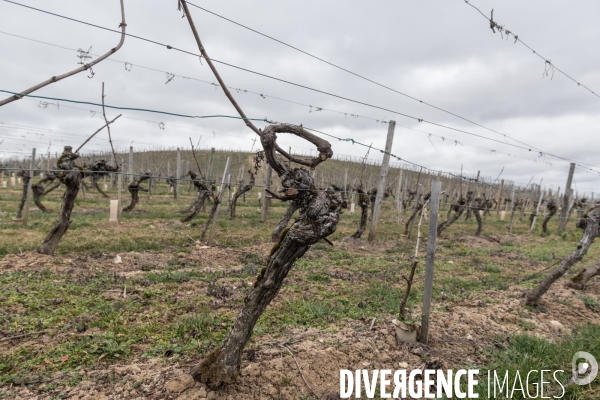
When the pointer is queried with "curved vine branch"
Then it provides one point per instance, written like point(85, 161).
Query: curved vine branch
point(552, 209)
point(241, 190)
point(134, 188)
point(590, 224)
point(39, 191)
point(319, 213)
point(84, 67)
point(205, 190)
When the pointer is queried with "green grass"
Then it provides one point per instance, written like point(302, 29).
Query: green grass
point(590, 302)
point(526, 353)
point(177, 310)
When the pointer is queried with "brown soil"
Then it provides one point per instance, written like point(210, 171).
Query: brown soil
point(458, 334)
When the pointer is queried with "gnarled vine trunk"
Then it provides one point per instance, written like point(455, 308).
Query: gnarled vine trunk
point(172, 182)
point(591, 230)
point(283, 222)
point(318, 218)
point(581, 280)
point(459, 209)
point(71, 178)
point(39, 191)
point(416, 210)
point(489, 204)
point(204, 192)
point(363, 203)
point(552, 209)
point(240, 192)
point(372, 198)
point(477, 207)
point(25, 175)
point(96, 185)
point(72, 181)
point(53, 187)
point(134, 188)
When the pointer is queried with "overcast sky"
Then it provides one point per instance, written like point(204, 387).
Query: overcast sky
point(440, 51)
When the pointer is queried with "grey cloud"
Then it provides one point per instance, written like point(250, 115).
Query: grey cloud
point(441, 51)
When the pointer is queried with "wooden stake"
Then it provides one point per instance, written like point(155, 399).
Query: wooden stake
point(210, 164)
point(28, 193)
point(537, 210)
point(499, 197)
point(130, 164)
point(512, 212)
point(399, 202)
point(228, 189)
point(564, 217)
point(113, 161)
point(219, 199)
point(346, 183)
point(382, 175)
point(429, 269)
point(178, 174)
point(119, 193)
point(243, 181)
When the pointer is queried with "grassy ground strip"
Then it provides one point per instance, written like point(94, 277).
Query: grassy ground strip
point(524, 353)
point(79, 323)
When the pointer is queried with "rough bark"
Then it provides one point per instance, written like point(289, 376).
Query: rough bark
point(477, 207)
point(468, 214)
point(72, 181)
point(552, 209)
point(372, 198)
point(39, 191)
point(53, 187)
point(283, 223)
point(489, 205)
point(416, 211)
point(408, 201)
point(453, 207)
point(211, 215)
point(580, 281)
point(318, 218)
point(196, 206)
point(240, 192)
point(94, 178)
point(49, 177)
point(204, 192)
point(25, 175)
point(171, 181)
point(591, 230)
point(459, 209)
point(363, 203)
point(71, 178)
point(134, 188)
point(84, 186)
